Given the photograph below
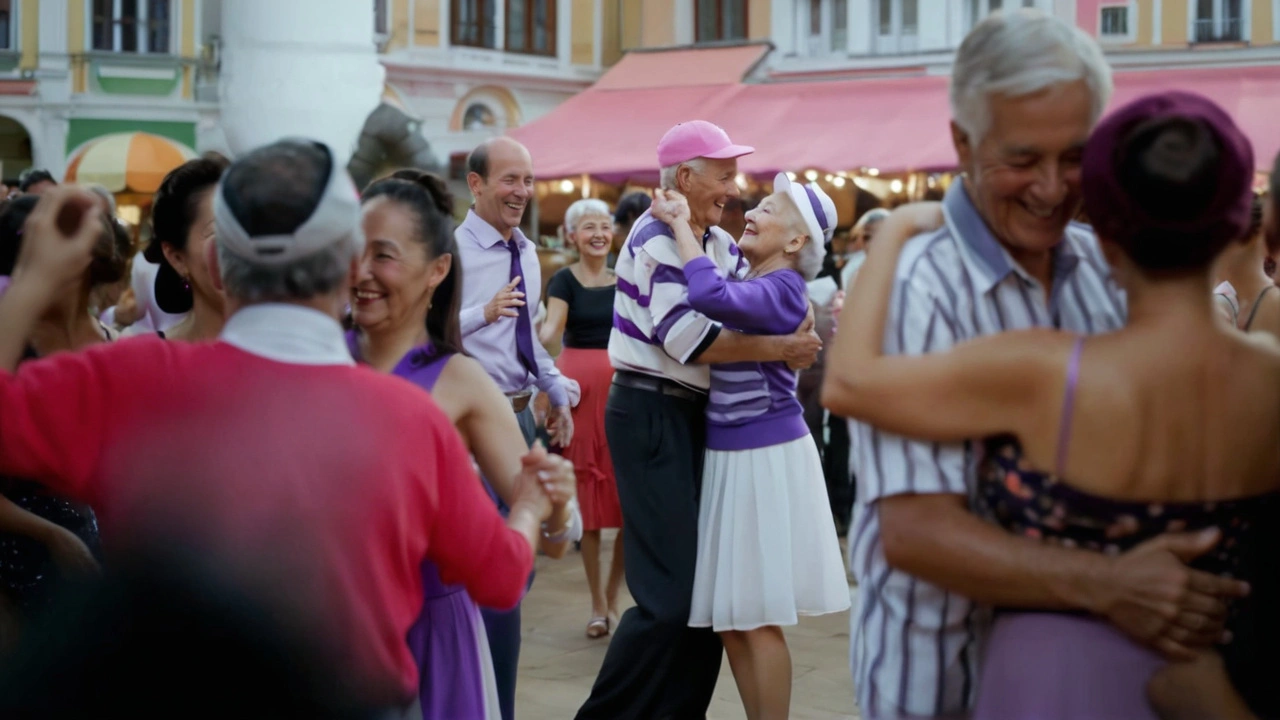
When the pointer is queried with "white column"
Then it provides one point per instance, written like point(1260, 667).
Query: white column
point(684, 23)
point(54, 63)
point(957, 23)
point(783, 23)
point(1157, 21)
point(934, 21)
point(275, 84)
point(564, 31)
point(861, 30)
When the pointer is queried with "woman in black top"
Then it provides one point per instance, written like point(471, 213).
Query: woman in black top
point(580, 306)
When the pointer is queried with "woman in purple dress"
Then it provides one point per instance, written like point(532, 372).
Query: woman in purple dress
point(767, 545)
point(1103, 443)
point(405, 308)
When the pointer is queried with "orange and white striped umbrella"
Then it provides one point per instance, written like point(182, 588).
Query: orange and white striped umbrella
point(127, 162)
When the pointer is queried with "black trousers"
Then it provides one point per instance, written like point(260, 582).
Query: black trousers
point(657, 667)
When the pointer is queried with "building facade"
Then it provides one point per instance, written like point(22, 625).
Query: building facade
point(75, 70)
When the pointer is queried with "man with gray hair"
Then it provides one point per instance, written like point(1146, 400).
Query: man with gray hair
point(317, 487)
point(1026, 91)
point(657, 667)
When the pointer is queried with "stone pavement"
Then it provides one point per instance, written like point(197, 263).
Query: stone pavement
point(558, 663)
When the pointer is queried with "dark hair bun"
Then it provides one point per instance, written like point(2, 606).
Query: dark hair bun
point(432, 183)
point(1170, 168)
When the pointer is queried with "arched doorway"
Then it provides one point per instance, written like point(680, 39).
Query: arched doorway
point(15, 150)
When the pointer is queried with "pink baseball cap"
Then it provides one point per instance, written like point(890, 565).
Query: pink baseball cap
point(695, 139)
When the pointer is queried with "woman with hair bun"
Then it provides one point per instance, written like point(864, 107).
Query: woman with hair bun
point(182, 220)
point(405, 307)
point(45, 539)
point(1108, 441)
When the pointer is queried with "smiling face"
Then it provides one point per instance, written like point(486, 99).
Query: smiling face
point(502, 196)
point(775, 231)
point(192, 263)
point(396, 279)
point(593, 235)
point(708, 185)
point(1024, 176)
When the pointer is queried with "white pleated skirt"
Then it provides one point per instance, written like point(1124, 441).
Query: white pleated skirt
point(767, 545)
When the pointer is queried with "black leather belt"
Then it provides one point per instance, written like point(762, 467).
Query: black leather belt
point(640, 381)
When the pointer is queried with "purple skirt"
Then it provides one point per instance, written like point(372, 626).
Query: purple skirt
point(454, 668)
point(1052, 666)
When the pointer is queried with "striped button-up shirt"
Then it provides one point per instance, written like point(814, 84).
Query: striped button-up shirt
point(655, 332)
point(916, 647)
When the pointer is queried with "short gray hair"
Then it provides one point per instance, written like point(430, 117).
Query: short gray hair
point(584, 208)
point(312, 276)
point(667, 176)
point(1019, 53)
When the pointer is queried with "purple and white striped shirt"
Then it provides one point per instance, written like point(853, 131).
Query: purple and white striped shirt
point(655, 330)
point(752, 404)
point(915, 648)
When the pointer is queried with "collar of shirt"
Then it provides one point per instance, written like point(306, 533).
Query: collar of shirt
point(486, 235)
point(987, 260)
point(290, 334)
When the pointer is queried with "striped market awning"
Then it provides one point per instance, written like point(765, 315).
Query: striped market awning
point(127, 162)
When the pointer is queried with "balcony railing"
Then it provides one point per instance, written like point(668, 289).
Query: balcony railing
point(1210, 30)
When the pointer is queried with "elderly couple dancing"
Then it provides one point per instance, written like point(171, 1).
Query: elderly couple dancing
point(728, 533)
point(1142, 586)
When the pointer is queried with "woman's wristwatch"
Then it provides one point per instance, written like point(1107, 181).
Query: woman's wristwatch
point(572, 529)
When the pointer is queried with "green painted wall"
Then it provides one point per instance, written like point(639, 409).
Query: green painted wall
point(82, 130)
point(136, 86)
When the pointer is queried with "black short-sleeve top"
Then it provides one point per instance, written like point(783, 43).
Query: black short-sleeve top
point(590, 317)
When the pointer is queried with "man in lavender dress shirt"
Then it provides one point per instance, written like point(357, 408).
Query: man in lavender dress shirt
point(501, 281)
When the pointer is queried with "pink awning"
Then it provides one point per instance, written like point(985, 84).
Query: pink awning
point(893, 125)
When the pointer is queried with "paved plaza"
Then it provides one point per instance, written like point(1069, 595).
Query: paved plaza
point(558, 662)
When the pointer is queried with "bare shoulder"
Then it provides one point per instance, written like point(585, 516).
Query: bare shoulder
point(1264, 342)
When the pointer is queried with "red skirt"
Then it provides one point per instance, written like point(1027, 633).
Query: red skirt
point(589, 452)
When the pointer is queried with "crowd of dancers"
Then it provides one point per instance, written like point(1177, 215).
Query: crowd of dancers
point(288, 461)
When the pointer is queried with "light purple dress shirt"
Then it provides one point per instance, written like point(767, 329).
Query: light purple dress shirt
point(486, 268)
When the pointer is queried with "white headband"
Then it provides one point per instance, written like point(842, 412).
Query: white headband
point(336, 217)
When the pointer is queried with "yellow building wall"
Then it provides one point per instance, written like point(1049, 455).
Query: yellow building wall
point(1174, 16)
point(1262, 18)
point(758, 19)
point(76, 44)
point(658, 26)
point(631, 24)
point(426, 23)
point(398, 32)
point(1146, 23)
point(582, 27)
point(187, 44)
point(29, 38)
point(610, 33)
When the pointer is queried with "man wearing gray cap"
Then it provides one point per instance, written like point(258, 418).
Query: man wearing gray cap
point(318, 486)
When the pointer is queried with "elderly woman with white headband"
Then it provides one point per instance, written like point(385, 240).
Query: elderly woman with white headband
point(580, 307)
point(767, 546)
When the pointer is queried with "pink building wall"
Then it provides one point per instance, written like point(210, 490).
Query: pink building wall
point(1087, 13)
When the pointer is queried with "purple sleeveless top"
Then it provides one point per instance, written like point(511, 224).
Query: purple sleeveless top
point(445, 638)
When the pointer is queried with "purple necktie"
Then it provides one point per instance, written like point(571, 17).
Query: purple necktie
point(524, 328)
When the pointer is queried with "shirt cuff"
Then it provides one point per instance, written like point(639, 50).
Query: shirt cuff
point(712, 333)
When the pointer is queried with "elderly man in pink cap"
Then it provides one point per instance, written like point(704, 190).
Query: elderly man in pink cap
point(657, 666)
